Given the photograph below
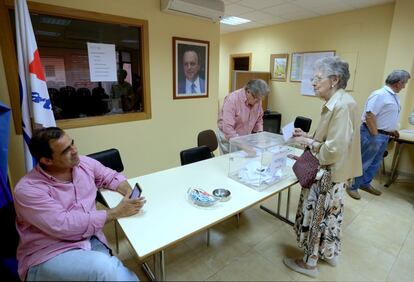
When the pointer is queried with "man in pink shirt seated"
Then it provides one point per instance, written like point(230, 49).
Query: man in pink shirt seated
point(242, 112)
point(60, 229)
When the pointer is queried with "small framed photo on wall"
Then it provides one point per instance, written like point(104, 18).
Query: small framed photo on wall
point(190, 68)
point(278, 66)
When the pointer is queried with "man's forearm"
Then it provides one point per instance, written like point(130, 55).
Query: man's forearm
point(124, 188)
point(371, 122)
point(229, 132)
point(258, 127)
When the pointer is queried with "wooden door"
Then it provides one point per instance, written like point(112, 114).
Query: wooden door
point(240, 78)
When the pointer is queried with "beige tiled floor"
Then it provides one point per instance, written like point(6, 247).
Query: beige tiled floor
point(378, 244)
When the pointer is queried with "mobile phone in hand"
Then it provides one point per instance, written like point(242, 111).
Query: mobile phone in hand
point(136, 192)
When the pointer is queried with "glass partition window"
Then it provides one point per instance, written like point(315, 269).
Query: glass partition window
point(77, 99)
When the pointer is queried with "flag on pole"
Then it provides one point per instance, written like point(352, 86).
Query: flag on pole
point(35, 103)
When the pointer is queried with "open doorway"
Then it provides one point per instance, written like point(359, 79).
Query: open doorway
point(241, 63)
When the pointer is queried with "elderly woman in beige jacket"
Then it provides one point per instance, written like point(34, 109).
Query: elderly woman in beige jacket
point(336, 144)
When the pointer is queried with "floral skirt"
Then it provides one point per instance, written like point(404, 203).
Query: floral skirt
point(318, 220)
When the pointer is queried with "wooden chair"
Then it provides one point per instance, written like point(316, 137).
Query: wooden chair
point(208, 138)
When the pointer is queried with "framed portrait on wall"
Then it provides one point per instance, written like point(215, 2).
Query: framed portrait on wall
point(278, 66)
point(190, 68)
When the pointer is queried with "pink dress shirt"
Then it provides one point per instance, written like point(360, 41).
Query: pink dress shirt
point(237, 117)
point(54, 216)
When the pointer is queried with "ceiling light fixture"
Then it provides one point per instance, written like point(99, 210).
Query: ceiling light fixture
point(47, 33)
point(55, 21)
point(234, 20)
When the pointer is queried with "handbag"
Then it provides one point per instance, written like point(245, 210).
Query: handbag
point(305, 168)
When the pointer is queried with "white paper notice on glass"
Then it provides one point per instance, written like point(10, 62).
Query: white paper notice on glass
point(102, 62)
point(287, 131)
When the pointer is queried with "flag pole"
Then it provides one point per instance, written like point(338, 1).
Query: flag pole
point(35, 102)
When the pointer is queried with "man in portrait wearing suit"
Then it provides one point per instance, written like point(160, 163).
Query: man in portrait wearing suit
point(193, 83)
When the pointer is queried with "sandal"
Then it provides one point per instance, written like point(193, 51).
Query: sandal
point(291, 263)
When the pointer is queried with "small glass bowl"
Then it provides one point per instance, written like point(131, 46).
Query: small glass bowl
point(200, 197)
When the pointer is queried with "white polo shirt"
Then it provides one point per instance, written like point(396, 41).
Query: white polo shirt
point(385, 105)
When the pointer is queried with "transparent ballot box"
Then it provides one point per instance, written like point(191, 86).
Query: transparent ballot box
point(259, 160)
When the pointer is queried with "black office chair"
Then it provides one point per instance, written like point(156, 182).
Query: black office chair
point(69, 102)
point(100, 103)
point(56, 102)
point(303, 123)
point(195, 154)
point(208, 137)
point(84, 97)
point(271, 122)
point(112, 159)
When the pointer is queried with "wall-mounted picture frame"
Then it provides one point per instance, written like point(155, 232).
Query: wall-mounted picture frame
point(278, 66)
point(296, 64)
point(190, 68)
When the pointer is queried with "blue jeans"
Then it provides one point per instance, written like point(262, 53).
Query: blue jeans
point(81, 265)
point(372, 152)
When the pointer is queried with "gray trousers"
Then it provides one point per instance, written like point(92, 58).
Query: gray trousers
point(81, 265)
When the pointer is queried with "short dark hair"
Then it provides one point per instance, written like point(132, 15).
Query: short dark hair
point(39, 143)
point(122, 72)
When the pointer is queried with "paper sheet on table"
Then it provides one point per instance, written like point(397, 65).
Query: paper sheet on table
point(287, 131)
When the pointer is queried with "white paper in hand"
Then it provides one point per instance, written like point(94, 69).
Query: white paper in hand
point(287, 131)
